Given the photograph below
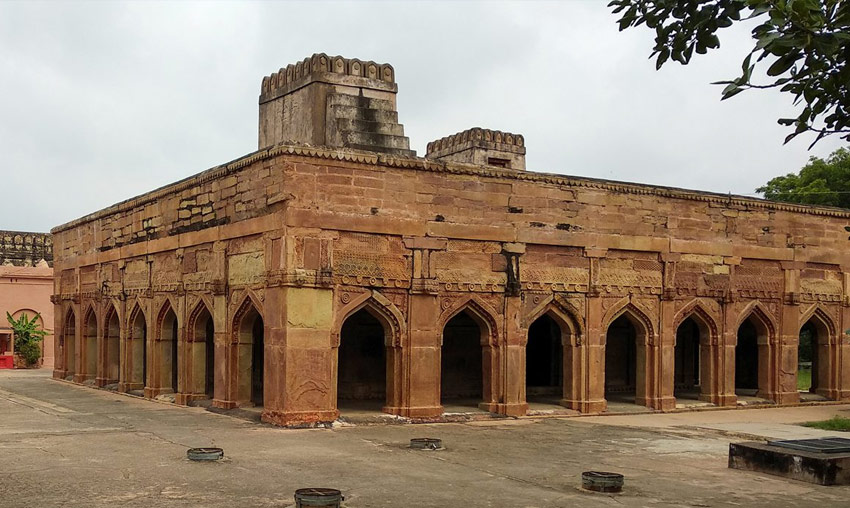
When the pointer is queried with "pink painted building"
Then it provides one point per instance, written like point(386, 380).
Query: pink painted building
point(26, 283)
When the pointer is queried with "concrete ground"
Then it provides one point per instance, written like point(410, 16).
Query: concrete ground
point(66, 445)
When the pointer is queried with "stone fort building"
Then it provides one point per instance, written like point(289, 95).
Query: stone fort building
point(333, 265)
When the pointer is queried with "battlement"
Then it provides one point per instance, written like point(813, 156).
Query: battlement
point(480, 146)
point(322, 67)
point(19, 248)
point(335, 102)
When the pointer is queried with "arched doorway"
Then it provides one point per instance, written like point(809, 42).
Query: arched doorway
point(202, 351)
point(813, 372)
point(250, 355)
point(112, 345)
point(90, 350)
point(752, 359)
point(624, 362)
point(169, 355)
point(362, 363)
point(687, 375)
point(461, 366)
point(69, 335)
point(544, 362)
point(137, 351)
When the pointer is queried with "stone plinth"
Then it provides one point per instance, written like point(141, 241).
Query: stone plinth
point(819, 468)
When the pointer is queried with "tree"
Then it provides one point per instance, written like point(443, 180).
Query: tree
point(27, 336)
point(806, 42)
point(820, 182)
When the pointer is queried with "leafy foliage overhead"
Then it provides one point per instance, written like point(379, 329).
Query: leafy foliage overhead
point(820, 182)
point(804, 43)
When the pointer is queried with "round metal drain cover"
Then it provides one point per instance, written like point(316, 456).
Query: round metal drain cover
point(426, 443)
point(318, 497)
point(599, 481)
point(205, 454)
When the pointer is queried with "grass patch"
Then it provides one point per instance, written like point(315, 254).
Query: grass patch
point(804, 379)
point(835, 423)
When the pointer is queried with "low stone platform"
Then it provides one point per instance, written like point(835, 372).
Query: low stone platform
point(808, 466)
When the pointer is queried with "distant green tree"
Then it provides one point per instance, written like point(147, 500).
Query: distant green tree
point(806, 42)
point(27, 337)
point(820, 182)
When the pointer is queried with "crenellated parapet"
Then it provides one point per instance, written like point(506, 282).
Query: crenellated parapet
point(320, 64)
point(19, 248)
point(480, 146)
point(333, 101)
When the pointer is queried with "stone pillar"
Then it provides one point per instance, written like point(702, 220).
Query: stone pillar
point(300, 360)
point(422, 353)
point(422, 381)
point(511, 401)
point(784, 386)
point(101, 376)
point(224, 378)
point(726, 354)
point(593, 349)
point(842, 356)
point(667, 336)
point(667, 357)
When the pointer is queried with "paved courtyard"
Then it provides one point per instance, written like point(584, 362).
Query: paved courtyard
point(67, 445)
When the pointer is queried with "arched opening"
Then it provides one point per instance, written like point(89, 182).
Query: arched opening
point(813, 360)
point(90, 350)
point(112, 345)
point(69, 334)
point(624, 362)
point(362, 363)
point(138, 351)
point(544, 362)
point(169, 356)
point(752, 359)
point(687, 372)
point(250, 355)
point(461, 365)
point(202, 351)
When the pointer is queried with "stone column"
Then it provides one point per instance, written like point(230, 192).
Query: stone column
point(784, 386)
point(726, 353)
point(593, 348)
point(421, 377)
point(511, 401)
point(842, 358)
point(667, 336)
point(300, 360)
point(423, 352)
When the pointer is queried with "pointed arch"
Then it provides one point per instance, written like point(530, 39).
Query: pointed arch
point(89, 349)
point(755, 362)
point(697, 310)
point(379, 307)
point(111, 334)
point(248, 343)
point(68, 342)
point(563, 312)
point(756, 310)
point(167, 305)
point(248, 302)
point(480, 313)
point(200, 350)
point(817, 349)
point(822, 318)
point(637, 316)
point(197, 312)
point(136, 349)
point(166, 353)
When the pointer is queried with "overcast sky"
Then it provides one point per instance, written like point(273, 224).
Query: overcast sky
point(103, 101)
